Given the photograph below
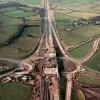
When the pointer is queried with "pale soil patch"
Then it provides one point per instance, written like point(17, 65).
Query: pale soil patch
point(83, 15)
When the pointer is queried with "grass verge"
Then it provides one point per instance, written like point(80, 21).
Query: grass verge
point(94, 63)
point(82, 51)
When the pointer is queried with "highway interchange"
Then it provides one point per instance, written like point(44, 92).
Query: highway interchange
point(47, 78)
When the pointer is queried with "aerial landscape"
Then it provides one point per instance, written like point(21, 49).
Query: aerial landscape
point(49, 49)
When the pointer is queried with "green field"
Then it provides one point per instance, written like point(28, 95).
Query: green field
point(27, 9)
point(79, 5)
point(73, 15)
point(10, 19)
point(82, 15)
point(63, 16)
point(88, 80)
point(73, 1)
point(7, 9)
point(79, 34)
point(69, 11)
point(94, 63)
point(7, 32)
point(33, 2)
point(6, 22)
point(9, 24)
point(22, 45)
point(71, 34)
point(18, 14)
point(15, 91)
point(82, 51)
point(28, 39)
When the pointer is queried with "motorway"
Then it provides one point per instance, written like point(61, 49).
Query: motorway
point(51, 56)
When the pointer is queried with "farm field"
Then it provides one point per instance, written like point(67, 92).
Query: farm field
point(10, 19)
point(78, 35)
point(7, 32)
point(73, 15)
point(69, 11)
point(34, 2)
point(88, 80)
point(95, 62)
point(79, 5)
point(3, 10)
point(18, 14)
point(60, 16)
point(30, 35)
point(9, 22)
point(15, 91)
point(82, 51)
point(24, 44)
point(82, 15)
point(70, 35)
